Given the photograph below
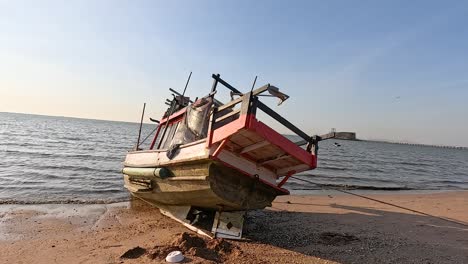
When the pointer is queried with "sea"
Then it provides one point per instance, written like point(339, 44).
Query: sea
point(45, 159)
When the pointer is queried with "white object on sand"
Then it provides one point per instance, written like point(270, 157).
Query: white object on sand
point(174, 257)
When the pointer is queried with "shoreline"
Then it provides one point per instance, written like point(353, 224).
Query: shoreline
point(325, 228)
point(297, 192)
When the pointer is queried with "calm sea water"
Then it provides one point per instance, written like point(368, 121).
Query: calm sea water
point(57, 159)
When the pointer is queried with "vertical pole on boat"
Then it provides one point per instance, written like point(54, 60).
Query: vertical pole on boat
point(188, 80)
point(173, 110)
point(141, 124)
point(253, 84)
point(213, 89)
point(253, 104)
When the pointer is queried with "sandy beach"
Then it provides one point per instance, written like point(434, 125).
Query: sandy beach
point(330, 228)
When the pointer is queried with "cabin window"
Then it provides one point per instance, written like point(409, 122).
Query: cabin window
point(164, 139)
point(158, 136)
point(164, 142)
point(170, 134)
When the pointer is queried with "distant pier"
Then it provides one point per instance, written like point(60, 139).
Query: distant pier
point(416, 144)
point(352, 136)
point(345, 135)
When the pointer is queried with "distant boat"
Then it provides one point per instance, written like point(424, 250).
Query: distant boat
point(213, 156)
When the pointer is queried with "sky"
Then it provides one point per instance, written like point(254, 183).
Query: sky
point(388, 70)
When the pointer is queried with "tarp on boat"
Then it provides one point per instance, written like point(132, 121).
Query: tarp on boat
point(193, 127)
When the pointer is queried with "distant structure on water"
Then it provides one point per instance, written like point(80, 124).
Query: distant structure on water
point(344, 135)
point(418, 144)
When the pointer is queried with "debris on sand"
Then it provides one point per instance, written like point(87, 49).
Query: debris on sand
point(336, 239)
point(217, 250)
point(175, 257)
point(134, 253)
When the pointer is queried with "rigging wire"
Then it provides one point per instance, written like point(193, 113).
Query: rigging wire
point(383, 202)
point(143, 141)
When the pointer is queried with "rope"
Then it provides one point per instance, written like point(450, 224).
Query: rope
point(143, 141)
point(386, 203)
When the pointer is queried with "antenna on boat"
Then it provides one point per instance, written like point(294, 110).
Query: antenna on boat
point(141, 124)
point(188, 80)
point(253, 84)
point(173, 107)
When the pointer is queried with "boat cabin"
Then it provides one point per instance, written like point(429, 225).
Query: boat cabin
point(234, 127)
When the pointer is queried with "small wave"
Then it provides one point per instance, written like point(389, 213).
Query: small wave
point(33, 154)
point(94, 157)
point(105, 190)
point(303, 186)
point(28, 153)
point(66, 201)
point(452, 182)
point(414, 164)
point(325, 177)
point(81, 168)
point(333, 168)
point(70, 138)
point(364, 187)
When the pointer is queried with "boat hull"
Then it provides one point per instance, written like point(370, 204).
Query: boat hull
point(205, 184)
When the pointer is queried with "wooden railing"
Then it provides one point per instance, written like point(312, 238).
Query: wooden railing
point(225, 114)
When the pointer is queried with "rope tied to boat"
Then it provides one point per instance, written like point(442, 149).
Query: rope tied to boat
point(382, 202)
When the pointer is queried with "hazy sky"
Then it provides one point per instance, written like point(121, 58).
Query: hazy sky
point(395, 70)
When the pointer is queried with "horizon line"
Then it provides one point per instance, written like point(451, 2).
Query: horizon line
point(75, 117)
point(358, 139)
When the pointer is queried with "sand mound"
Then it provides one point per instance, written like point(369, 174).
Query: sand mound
point(217, 250)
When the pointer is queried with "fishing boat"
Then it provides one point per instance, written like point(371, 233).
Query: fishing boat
point(209, 156)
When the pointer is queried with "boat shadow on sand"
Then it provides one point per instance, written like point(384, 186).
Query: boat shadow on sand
point(360, 235)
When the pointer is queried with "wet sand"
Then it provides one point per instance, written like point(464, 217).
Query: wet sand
point(333, 228)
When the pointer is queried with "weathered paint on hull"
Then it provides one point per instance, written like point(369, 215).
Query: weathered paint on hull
point(187, 192)
point(206, 185)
